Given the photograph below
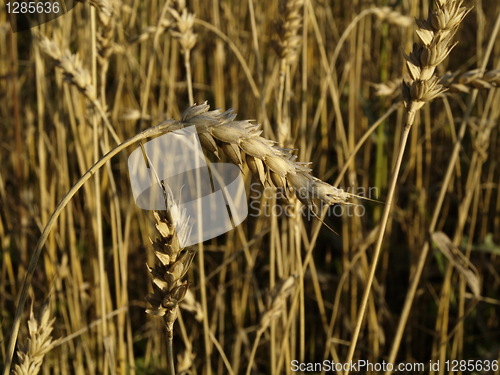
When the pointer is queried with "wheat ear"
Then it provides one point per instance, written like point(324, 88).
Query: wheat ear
point(172, 264)
point(183, 31)
point(436, 34)
point(287, 47)
point(39, 343)
point(242, 143)
point(76, 75)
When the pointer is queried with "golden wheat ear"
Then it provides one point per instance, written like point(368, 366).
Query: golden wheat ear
point(32, 352)
point(241, 142)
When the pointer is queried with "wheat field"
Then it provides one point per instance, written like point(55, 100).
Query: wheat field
point(367, 135)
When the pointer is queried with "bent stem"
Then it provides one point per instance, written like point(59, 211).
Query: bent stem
point(385, 218)
point(164, 127)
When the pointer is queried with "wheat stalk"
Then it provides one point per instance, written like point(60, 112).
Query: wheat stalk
point(287, 47)
point(106, 16)
point(435, 33)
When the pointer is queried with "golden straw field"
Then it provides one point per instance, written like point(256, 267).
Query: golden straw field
point(366, 136)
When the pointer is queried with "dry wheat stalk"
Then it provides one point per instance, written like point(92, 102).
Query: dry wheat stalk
point(149, 31)
point(287, 47)
point(241, 142)
point(39, 343)
point(435, 33)
point(276, 304)
point(106, 16)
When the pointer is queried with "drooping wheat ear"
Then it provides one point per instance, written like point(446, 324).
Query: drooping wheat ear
point(241, 142)
point(75, 74)
point(39, 343)
point(71, 66)
point(435, 33)
point(473, 79)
